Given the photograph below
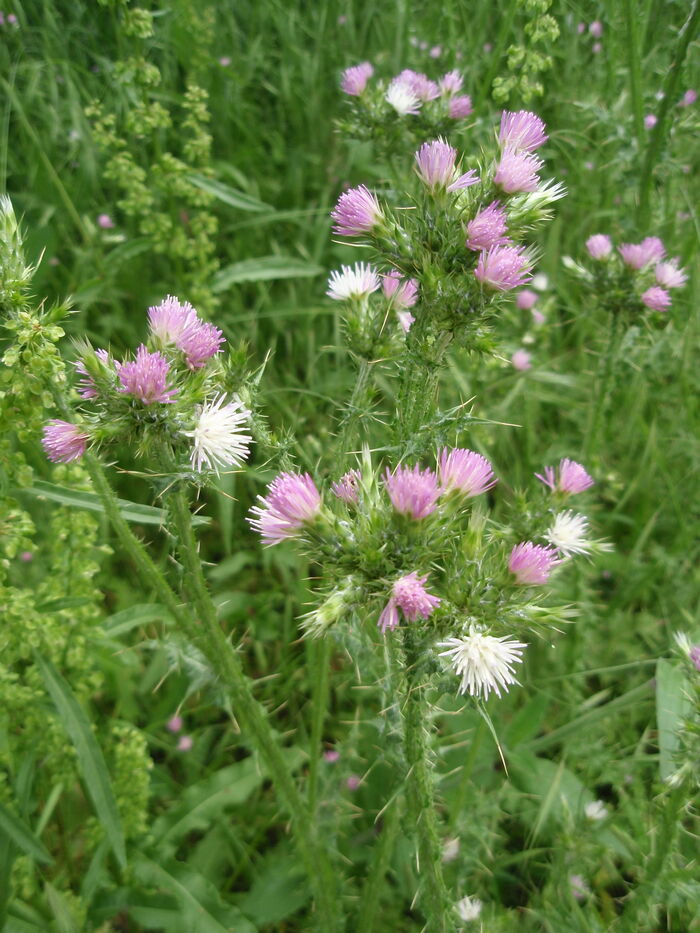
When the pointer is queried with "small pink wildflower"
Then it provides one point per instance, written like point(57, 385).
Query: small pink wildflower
point(451, 83)
point(669, 275)
point(695, 656)
point(436, 51)
point(201, 343)
point(689, 98)
point(174, 724)
point(521, 130)
point(531, 564)
point(537, 317)
point(436, 163)
point(420, 84)
point(517, 171)
point(353, 782)
point(639, 255)
point(465, 472)
point(86, 385)
point(63, 442)
point(402, 293)
point(356, 212)
point(176, 322)
point(410, 596)
point(185, 743)
point(12, 19)
point(354, 80)
point(658, 299)
point(346, 487)
point(599, 246)
point(597, 48)
point(572, 478)
point(650, 121)
point(105, 222)
point(503, 267)
point(225, 61)
point(292, 499)
point(460, 107)
point(596, 29)
point(26, 557)
point(487, 229)
point(579, 888)
point(146, 378)
point(413, 491)
point(331, 756)
point(526, 299)
point(581, 28)
point(521, 360)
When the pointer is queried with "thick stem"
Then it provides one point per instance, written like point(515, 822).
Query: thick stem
point(420, 792)
point(320, 650)
point(354, 410)
point(254, 721)
point(417, 397)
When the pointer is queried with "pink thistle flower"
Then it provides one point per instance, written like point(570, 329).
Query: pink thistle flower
point(487, 229)
point(174, 724)
point(200, 343)
point(639, 255)
point(436, 51)
point(185, 743)
point(63, 442)
point(146, 377)
point(331, 755)
point(410, 596)
point(658, 299)
point(599, 246)
point(503, 267)
point(581, 28)
point(292, 499)
point(572, 478)
point(526, 299)
point(356, 212)
point(346, 487)
point(436, 163)
point(460, 107)
point(465, 472)
point(353, 782)
point(225, 61)
point(413, 492)
point(689, 98)
point(537, 317)
point(521, 360)
point(650, 121)
point(517, 171)
point(531, 564)
point(405, 320)
point(521, 130)
point(169, 320)
point(451, 83)
point(423, 88)
point(86, 386)
point(695, 657)
point(597, 48)
point(26, 557)
point(354, 80)
point(105, 222)
point(669, 275)
point(596, 29)
point(402, 293)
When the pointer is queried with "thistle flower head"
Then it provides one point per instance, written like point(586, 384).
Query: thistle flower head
point(335, 605)
point(176, 322)
point(599, 246)
point(410, 596)
point(86, 386)
point(639, 255)
point(356, 212)
point(146, 378)
point(526, 299)
point(487, 229)
point(354, 80)
point(217, 440)
point(483, 662)
point(352, 282)
point(469, 908)
point(346, 487)
point(569, 534)
point(669, 275)
point(658, 299)
point(451, 83)
point(689, 98)
point(292, 499)
point(63, 442)
point(466, 472)
point(531, 564)
point(460, 107)
point(521, 360)
point(572, 478)
point(413, 491)
point(436, 163)
point(419, 84)
point(521, 130)
point(405, 320)
point(503, 267)
point(403, 98)
point(402, 293)
point(517, 171)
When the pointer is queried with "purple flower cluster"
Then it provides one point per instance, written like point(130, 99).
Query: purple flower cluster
point(409, 90)
point(146, 378)
point(174, 322)
point(641, 258)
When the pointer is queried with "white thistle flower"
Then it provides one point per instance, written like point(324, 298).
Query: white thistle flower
point(483, 662)
point(595, 810)
point(356, 281)
point(217, 438)
point(469, 908)
point(569, 534)
point(402, 98)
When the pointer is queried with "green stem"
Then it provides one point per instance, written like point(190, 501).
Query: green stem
point(253, 719)
point(355, 409)
point(381, 859)
point(320, 650)
point(635, 68)
point(420, 792)
point(603, 382)
point(671, 88)
point(417, 398)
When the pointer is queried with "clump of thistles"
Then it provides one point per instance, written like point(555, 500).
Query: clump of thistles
point(64, 442)
point(413, 492)
point(217, 440)
point(531, 564)
point(484, 663)
point(410, 596)
point(570, 477)
point(292, 500)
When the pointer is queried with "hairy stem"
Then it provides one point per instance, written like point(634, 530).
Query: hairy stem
point(354, 409)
